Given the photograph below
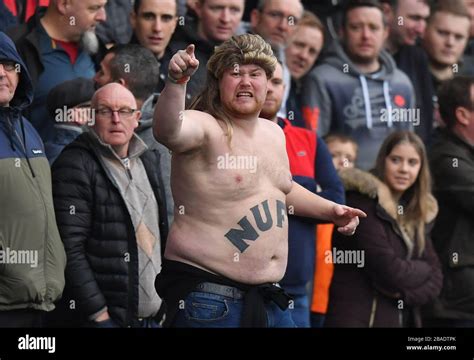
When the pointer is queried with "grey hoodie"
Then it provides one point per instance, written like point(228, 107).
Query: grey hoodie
point(145, 131)
point(364, 106)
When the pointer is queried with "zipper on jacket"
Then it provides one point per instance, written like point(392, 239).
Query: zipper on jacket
point(23, 146)
point(126, 164)
point(41, 295)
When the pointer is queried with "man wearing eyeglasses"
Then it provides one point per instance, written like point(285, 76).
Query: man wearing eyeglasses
point(32, 257)
point(111, 213)
point(275, 21)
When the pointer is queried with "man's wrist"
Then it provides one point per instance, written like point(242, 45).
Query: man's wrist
point(180, 81)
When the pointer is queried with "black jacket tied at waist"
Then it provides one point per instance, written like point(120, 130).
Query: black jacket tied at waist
point(177, 280)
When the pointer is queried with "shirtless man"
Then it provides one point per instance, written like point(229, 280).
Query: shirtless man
point(232, 187)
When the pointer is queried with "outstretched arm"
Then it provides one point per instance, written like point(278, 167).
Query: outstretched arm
point(172, 126)
point(305, 203)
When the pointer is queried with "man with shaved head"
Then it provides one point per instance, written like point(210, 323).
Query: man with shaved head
point(111, 214)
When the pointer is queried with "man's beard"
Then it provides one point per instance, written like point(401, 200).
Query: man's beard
point(268, 114)
point(362, 60)
point(241, 112)
point(270, 111)
point(90, 42)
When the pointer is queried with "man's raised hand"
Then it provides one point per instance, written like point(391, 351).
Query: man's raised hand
point(182, 65)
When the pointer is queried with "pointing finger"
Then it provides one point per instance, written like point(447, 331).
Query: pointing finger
point(357, 212)
point(190, 50)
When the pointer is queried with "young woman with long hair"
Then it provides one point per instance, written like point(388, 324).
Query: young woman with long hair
point(389, 268)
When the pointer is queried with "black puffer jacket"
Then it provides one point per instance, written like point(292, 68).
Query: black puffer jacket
point(184, 36)
point(98, 233)
point(452, 161)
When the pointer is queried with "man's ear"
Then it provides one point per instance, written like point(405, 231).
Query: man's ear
point(133, 20)
point(388, 13)
point(198, 8)
point(122, 82)
point(340, 33)
point(254, 18)
point(63, 6)
point(138, 115)
point(463, 116)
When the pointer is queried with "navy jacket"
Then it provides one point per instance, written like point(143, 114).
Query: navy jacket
point(310, 164)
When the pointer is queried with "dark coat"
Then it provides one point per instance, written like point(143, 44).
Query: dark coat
point(184, 36)
point(26, 38)
point(98, 233)
point(452, 164)
point(7, 19)
point(389, 286)
point(47, 71)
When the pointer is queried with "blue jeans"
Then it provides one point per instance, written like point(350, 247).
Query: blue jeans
point(299, 310)
point(203, 309)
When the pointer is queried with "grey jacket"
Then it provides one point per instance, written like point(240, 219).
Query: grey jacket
point(363, 106)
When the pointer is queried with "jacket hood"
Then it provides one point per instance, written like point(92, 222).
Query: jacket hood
point(369, 185)
point(146, 120)
point(24, 91)
point(338, 58)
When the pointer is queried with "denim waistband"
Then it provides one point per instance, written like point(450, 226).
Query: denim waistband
point(223, 290)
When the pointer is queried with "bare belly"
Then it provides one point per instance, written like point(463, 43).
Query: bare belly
point(248, 244)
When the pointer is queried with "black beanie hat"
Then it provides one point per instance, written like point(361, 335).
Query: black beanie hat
point(69, 93)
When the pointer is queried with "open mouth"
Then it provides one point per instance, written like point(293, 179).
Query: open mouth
point(243, 94)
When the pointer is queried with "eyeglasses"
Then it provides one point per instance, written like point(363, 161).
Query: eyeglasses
point(278, 16)
point(8, 65)
point(124, 113)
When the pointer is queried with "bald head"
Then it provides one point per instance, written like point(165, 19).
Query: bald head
point(70, 20)
point(116, 116)
point(113, 91)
